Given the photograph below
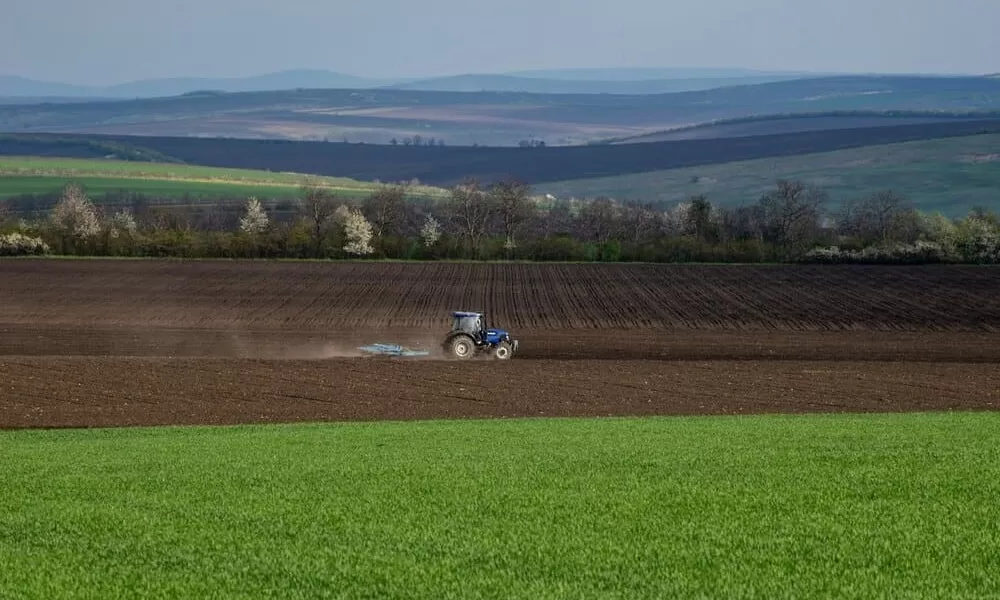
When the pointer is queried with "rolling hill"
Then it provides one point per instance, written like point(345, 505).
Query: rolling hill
point(792, 123)
point(47, 175)
point(498, 118)
point(604, 81)
point(539, 85)
point(448, 165)
point(647, 73)
point(951, 175)
point(175, 86)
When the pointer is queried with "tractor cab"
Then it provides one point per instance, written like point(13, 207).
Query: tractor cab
point(471, 323)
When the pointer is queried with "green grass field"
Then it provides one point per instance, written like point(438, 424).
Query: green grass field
point(738, 507)
point(27, 175)
point(949, 175)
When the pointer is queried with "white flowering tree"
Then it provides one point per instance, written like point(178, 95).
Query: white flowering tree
point(676, 219)
point(122, 223)
point(255, 220)
point(430, 233)
point(75, 218)
point(357, 233)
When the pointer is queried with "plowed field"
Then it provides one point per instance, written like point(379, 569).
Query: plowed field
point(523, 297)
point(102, 342)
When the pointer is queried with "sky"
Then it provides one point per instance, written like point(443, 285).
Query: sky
point(101, 42)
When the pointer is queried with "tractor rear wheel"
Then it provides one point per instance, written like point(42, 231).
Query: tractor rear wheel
point(462, 347)
point(503, 351)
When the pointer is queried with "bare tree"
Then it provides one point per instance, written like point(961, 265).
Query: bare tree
point(702, 219)
point(743, 223)
point(510, 199)
point(883, 216)
point(159, 218)
point(318, 209)
point(557, 220)
point(598, 219)
point(638, 222)
point(791, 214)
point(219, 216)
point(5, 212)
point(470, 212)
point(384, 209)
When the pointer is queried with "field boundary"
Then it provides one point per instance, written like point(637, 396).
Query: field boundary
point(465, 261)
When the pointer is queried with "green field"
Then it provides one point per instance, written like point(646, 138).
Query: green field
point(30, 175)
point(736, 507)
point(950, 175)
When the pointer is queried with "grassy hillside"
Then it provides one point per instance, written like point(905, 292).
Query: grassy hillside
point(442, 166)
point(791, 123)
point(491, 118)
point(41, 175)
point(872, 506)
point(951, 175)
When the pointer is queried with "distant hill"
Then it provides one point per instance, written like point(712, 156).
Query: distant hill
point(539, 85)
point(647, 73)
point(377, 116)
point(449, 165)
point(10, 100)
point(619, 81)
point(154, 88)
point(284, 80)
point(14, 86)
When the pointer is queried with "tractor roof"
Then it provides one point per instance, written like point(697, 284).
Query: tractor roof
point(461, 313)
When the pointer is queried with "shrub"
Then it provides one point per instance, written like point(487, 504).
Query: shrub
point(978, 242)
point(918, 253)
point(18, 244)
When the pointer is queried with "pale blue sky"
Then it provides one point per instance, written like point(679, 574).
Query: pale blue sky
point(111, 41)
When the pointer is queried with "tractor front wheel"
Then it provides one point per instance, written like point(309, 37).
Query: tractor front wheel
point(462, 347)
point(503, 351)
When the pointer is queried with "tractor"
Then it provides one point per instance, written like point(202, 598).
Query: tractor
point(469, 336)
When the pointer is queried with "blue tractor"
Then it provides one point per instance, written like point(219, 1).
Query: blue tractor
point(469, 336)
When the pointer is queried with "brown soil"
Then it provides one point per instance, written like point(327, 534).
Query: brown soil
point(76, 392)
point(525, 298)
point(109, 343)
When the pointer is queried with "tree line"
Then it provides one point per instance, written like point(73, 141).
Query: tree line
point(792, 222)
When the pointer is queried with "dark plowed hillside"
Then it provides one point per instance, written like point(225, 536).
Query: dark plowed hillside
point(452, 164)
point(524, 297)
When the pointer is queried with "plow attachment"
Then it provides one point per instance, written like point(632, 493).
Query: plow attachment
point(392, 350)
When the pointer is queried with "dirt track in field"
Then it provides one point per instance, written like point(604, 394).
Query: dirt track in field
point(106, 343)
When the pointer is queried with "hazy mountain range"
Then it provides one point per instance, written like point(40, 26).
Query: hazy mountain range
point(560, 81)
